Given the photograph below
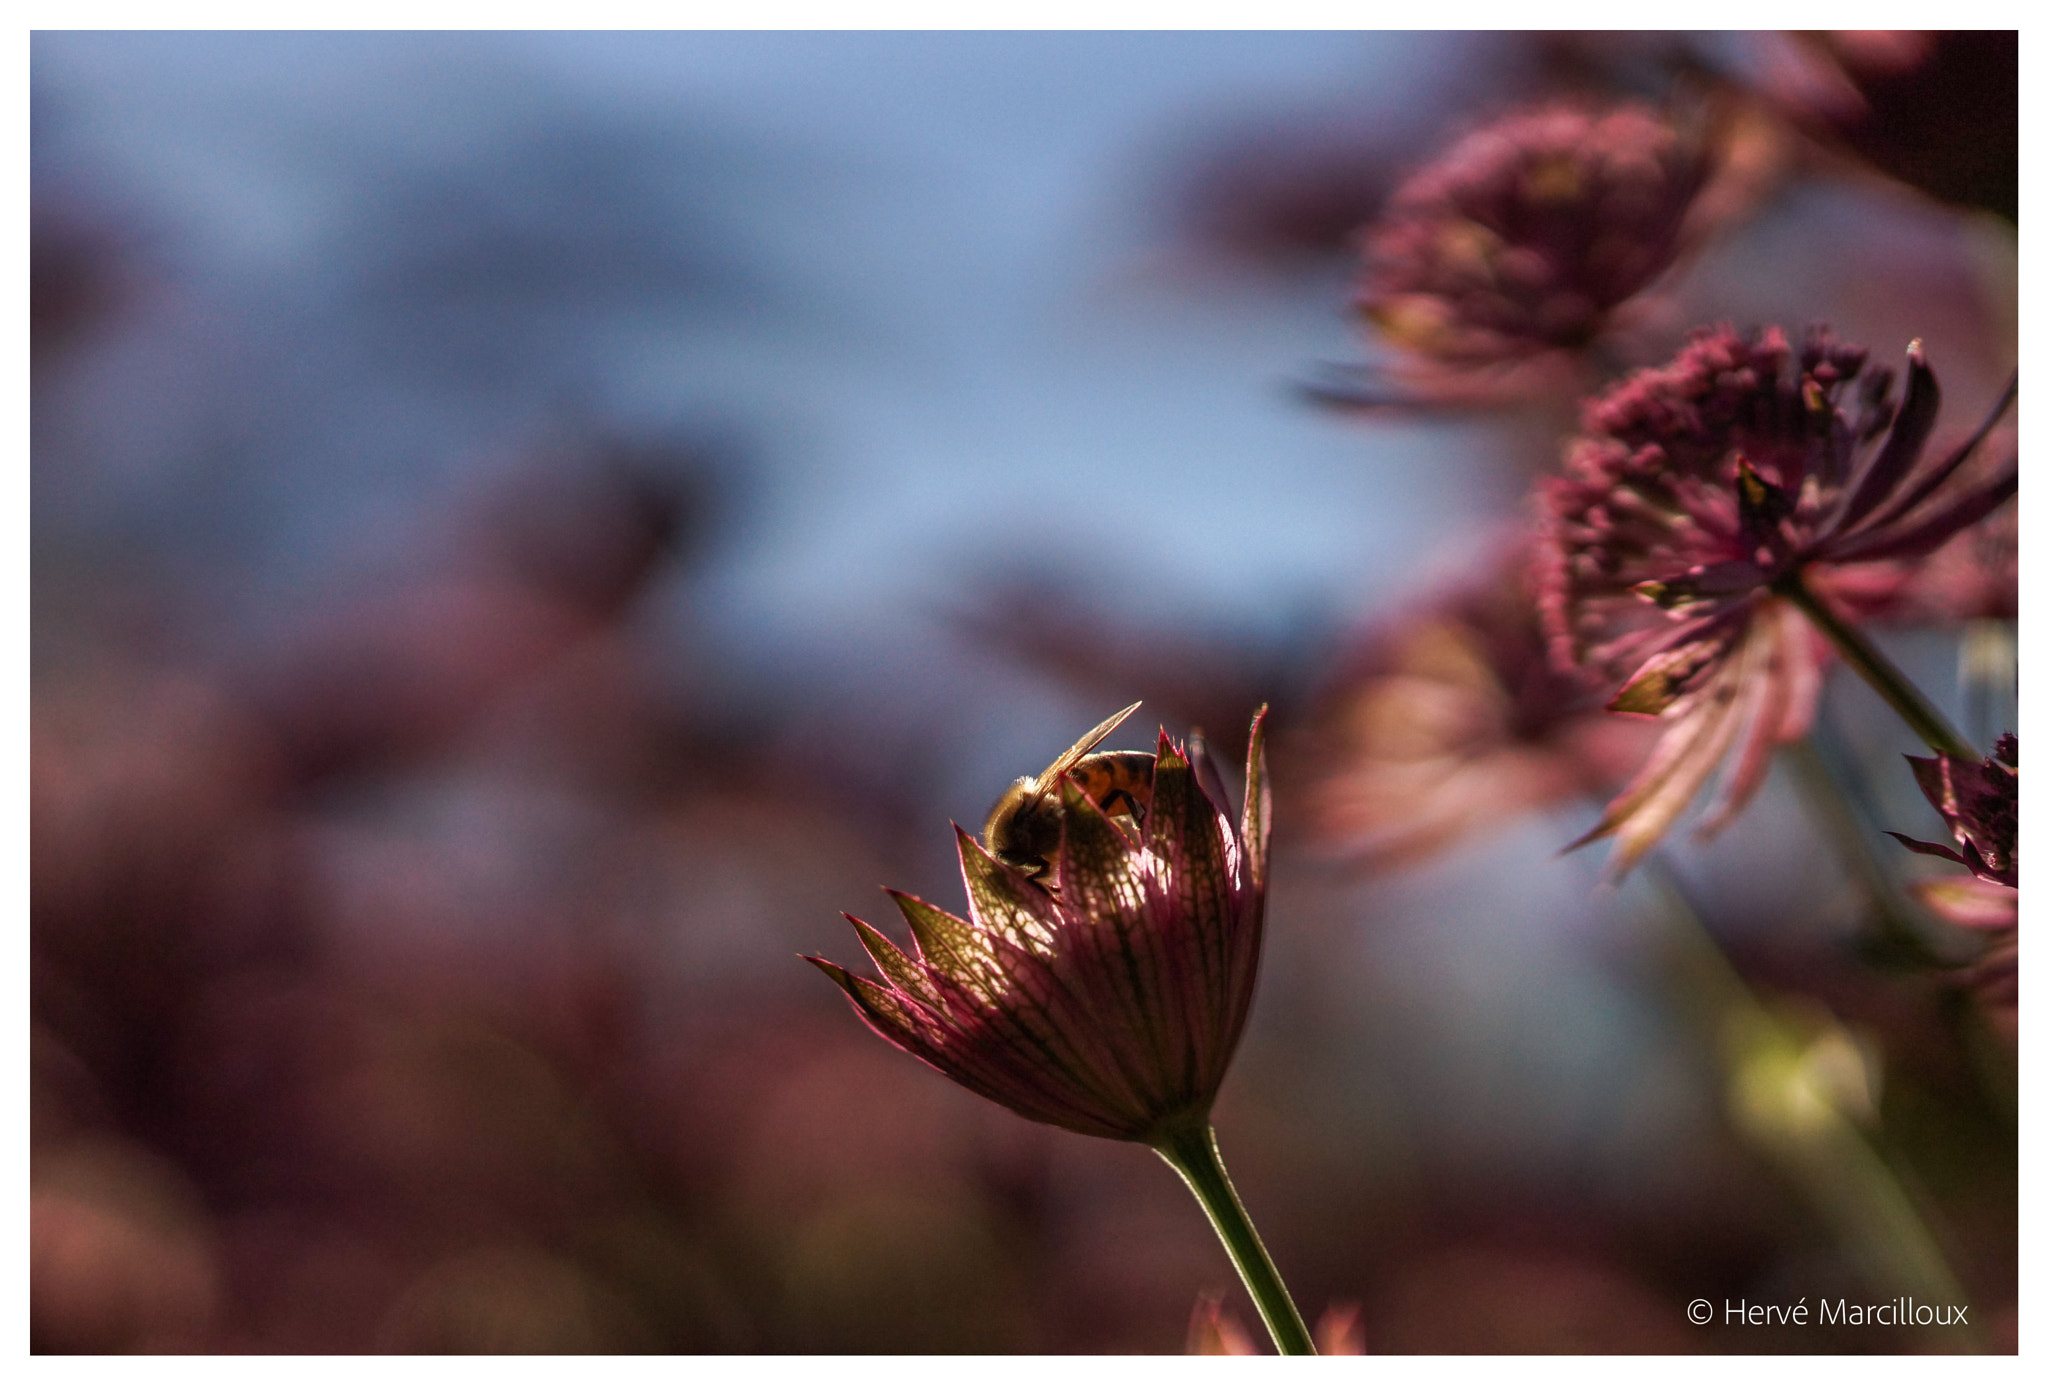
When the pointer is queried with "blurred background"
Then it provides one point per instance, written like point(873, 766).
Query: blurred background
point(528, 528)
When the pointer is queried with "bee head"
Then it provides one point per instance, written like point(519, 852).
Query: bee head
point(1023, 830)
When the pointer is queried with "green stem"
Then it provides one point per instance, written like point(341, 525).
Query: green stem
point(1782, 1104)
point(1988, 669)
point(1880, 672)
point(1892, 938)
point(1193, 1154)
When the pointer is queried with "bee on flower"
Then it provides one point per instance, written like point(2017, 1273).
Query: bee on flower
point(1109, 998)
point(1105, 968)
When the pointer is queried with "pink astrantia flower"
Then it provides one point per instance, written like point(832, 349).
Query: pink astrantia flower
point(1453, 718)
point(1111, 1003)
point(1981, 805)
point(1214, 1330)
point(1524, 236)
point(1696, 499)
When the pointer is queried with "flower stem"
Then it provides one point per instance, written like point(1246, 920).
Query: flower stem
point(1892, 938)
point(1193, 1154)
point(1880, 672)
point(1792, 1108)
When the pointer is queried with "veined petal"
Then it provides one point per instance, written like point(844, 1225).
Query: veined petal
point(1089, 1013)
point(1102, 879)
point(1015, 1038)
point(990, 975)
point(1702, 730)
point(1190, 847)
point(886, 1012)
point(902, 973)
point(1257, 831)
point(1005, 902)
point(1788, 688)
point(1210, 780)
point(1186, 836)
point(949, 946)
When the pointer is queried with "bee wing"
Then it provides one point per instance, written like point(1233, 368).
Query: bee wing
point(1071, 756)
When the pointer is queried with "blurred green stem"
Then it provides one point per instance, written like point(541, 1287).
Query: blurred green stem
point(1987, 668)
point(1194, 1156)
point(1798, 1092)
point(1829, 805)
point(1881, 673)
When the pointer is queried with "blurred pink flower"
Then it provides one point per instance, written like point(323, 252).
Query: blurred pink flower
point(1993, 910)
point(1968, 902)
point(1111, 1004)
point(1215, 1331)
point(1701, 495)
point(1454, 718)
point(1524, 236)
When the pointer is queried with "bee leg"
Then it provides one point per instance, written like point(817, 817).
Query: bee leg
point(1131, 807)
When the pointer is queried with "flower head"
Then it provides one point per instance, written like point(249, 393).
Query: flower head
point(1526, 234)
point(1110, 1002)
point(1454, 717)
point(1700, 494)
point(1981, 805)
point(1695, 486)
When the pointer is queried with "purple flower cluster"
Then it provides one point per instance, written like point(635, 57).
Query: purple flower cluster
point(1696, 486)
point(1529, 232)
point(1700, 493)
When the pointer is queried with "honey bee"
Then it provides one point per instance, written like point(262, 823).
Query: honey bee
point(1023, 829)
